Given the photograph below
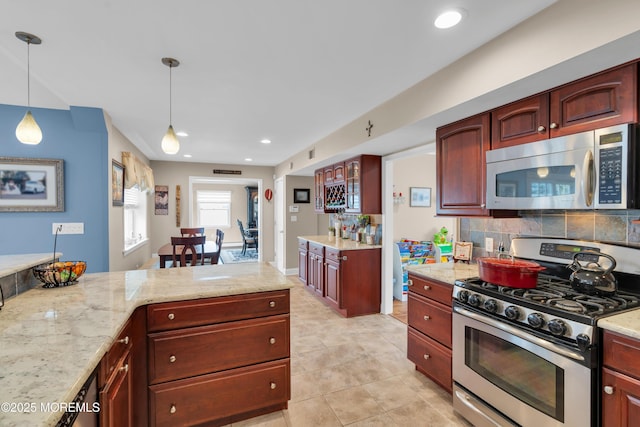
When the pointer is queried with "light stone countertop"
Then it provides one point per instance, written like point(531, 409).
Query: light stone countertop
point(627, 323)
point(52, 339)
point(445, 272)
point(10, 264)
point(338, 243)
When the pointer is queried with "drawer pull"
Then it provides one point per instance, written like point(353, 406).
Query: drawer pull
point(172, 358)
point(410, 282)
point(427, 287)
point(171, 316)
point(541, 128)
point(124, 368)
point(426, 357)
point(608, 389)
point(272, 340)
point(426, 317)
point(172, 409)
point(272, 304)
point(273, 386)
point(124, 340)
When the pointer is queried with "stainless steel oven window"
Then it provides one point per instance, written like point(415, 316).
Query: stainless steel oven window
point(521, 373)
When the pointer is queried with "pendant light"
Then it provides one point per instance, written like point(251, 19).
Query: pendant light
point(28, 131)
point(170, 142)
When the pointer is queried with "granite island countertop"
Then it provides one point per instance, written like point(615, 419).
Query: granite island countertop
point(52, 339)
point(445, 272)
point(339, 243)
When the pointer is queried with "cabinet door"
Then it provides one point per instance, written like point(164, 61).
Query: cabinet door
point(605, 99)
point(352, 181)
point(461, 170)
point(620, 399)
point(523, 121)
point(302, 265)
point(338, 172)
point(332, 283)
point(311, 270)
point(328, 175)
point(319, 272)
point(116, 396)
point(319, 191)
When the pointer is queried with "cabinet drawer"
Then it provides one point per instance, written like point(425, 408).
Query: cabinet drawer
point(203, 399)
point(303, 244)
point(332, 254)
point(438, 291)
point(621, 353)
point(316, 248)
point(430, 318)
point(120, 346)
point(182, 314)
point(205, 349)
point(432, 358)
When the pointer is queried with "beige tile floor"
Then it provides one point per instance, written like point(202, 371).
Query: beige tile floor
point(354, 372)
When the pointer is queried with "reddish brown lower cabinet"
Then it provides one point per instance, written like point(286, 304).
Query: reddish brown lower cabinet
point(315, 266)
point(620, 380)
point(429, 328)
point(303, 247)
point(229, 367)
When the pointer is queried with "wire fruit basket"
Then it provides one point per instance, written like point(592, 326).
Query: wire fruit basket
point(61, 273)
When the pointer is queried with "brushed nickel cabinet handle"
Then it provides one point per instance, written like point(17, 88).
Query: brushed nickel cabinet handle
point(410, 282)
point(608, 389)
point(426, 356)
point(272, 304)
point(124, 340)
point(124, 368)
point(273, 386)
point(427, 287)
point(172, 409)
point(272, 340)
point(171, 316)
point(553, 125)
point(172, 358)
point(541, 128)
point(426, 317)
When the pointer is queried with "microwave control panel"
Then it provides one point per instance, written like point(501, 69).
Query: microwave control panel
point(610, 175)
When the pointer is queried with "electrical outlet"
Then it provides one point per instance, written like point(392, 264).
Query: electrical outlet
point(68, 228)
point(488, 244)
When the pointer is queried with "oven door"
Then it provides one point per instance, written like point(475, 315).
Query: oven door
point(523, 377)
point(553, 174)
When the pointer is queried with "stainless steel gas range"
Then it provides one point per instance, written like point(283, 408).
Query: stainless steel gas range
point(531, 357)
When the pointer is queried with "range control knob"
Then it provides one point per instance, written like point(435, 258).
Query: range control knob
point(583, 341)
point(491, 305)
point(475, 300)
point(512, 312)
point(535, 320)
point(463, 296)
point(557, 327)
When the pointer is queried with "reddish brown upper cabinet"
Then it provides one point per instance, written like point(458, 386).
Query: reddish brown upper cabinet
point(363, 182)
point(318, 188)
point(460, 164)
point(604, 99)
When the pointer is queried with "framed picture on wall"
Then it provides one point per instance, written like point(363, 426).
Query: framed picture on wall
point(162, 200)
point(117, 183)
point(31, 185)
point(420, 197)
point(301, 195)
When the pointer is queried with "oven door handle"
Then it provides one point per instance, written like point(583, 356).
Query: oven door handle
point(520, 334)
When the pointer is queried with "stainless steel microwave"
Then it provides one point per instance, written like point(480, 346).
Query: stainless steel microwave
point(589, 170)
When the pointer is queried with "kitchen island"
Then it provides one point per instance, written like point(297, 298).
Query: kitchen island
point(52, 340)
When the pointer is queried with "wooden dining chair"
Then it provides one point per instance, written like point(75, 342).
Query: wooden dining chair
point(185, 252)
point(192, 232)
point(248, 241)
point(219, 238)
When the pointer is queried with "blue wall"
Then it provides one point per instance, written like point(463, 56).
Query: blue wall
point(79, 137)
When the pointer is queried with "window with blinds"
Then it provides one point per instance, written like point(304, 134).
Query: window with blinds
point(135, 217)
point(213, 208)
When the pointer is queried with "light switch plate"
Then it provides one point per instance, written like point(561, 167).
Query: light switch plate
point(488, 244)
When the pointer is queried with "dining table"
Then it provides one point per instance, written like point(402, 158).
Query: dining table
point(166, 252)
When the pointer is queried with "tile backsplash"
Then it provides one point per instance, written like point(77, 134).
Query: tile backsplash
point(613, 226)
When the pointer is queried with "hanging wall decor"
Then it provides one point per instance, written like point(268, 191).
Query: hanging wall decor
point(117, 183)
point(31, 185)
point(162, 200)
point(177, 206)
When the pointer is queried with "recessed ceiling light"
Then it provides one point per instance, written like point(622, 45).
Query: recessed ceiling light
point(182, 133)
point(188, 155)
point(248, 159)
point(448, 19)
point(266, 141)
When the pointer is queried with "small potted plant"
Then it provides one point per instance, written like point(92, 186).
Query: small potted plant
point(332, 231)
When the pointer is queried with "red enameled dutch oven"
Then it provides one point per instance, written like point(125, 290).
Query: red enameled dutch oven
point(509, 272)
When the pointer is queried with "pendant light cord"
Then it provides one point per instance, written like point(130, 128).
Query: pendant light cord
point(28, 74)
point(170, 100)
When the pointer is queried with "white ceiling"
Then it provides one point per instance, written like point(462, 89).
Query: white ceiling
point(293, 71)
